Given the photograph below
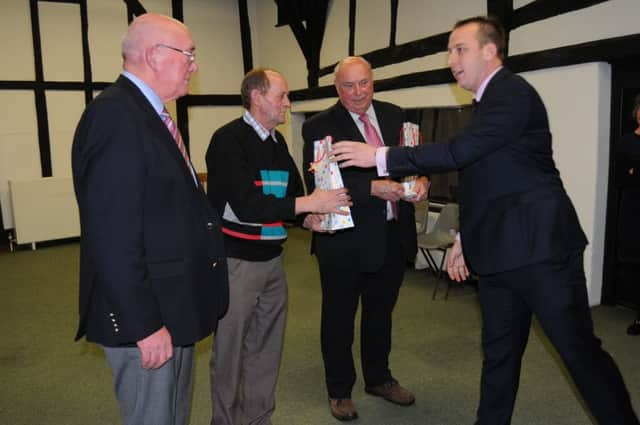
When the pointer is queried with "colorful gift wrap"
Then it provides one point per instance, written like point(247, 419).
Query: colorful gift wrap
point(327, 176)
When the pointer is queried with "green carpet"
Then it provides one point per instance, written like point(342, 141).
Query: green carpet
point(48, 379)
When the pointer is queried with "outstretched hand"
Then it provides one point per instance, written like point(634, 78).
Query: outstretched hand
point(354, 154)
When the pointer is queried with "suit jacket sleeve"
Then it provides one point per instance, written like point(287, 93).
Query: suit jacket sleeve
point(499, 120)
point(112, 190)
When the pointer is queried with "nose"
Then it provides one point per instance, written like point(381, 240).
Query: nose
point(287, 102)
point(451, 59)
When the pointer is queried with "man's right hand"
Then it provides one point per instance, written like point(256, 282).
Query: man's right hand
point(155, 349)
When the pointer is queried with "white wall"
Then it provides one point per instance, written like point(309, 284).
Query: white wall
point(214, 25)
point(418, 19)
point(577, 97)
point(610, 19)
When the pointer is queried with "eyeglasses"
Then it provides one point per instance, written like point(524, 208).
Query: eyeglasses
point(188, 53)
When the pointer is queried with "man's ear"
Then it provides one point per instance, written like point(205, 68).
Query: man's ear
point(151, 58)
point(489, 51)
point(255, 97)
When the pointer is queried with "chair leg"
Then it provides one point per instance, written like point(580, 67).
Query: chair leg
point(435, 290)
point(444, 255)
point(430, 261)
point(439, 273)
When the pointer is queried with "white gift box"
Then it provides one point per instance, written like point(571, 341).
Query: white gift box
point(410, 137)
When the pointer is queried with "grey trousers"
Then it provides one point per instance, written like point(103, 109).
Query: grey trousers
point(152, 396)
point(245, 357)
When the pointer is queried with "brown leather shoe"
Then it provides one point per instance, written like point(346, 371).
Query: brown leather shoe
point(343, 409)
point(393, 392)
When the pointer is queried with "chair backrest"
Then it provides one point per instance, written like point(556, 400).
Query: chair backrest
point(448, 219)
point(422, 216)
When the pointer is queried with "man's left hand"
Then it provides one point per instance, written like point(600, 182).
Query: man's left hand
point(421, 189)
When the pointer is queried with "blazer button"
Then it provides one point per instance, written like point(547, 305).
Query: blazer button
point(209, 225)
point(214, 265)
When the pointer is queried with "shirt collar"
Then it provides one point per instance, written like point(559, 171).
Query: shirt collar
point(484, 84)
point(262, 132)
point(147, 91)
point(370, 112)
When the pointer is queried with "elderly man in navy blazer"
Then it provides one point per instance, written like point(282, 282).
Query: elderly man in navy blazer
point(518, 227)
point(153, 277)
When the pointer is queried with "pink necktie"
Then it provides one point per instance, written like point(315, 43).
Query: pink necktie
point(370, 132)
point(373, 139)
point(171, 126)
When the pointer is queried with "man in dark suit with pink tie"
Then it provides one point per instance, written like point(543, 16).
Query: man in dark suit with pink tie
point(518, 229)
point(364, 264)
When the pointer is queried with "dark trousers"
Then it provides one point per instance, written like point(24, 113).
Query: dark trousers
point(343, 288)
point(555, 291)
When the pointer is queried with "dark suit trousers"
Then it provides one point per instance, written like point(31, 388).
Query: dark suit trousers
point(555, 292)
point(342, 288)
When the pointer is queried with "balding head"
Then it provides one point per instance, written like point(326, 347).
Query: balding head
point(156, 49)
point(146, 31)
point(354, 84)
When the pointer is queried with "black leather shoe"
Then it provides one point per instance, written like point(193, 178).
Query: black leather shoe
point(634, 328)
point(343, 409)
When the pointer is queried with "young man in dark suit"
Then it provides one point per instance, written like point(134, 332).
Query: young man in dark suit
point(518, 227)
point(153, 276)
point(365, 263)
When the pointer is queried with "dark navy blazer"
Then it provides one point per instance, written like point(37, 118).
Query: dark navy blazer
point(151, 250)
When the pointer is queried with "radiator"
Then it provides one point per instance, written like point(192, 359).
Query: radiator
point(44, 209)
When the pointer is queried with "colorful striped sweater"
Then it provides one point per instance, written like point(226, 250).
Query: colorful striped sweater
point(253, 183)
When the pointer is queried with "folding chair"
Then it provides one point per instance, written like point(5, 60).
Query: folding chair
point(440, 238)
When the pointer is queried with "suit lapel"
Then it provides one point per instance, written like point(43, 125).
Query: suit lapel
point(387, 127)
point(345, 123)
point(349, 129)
point(159, 129)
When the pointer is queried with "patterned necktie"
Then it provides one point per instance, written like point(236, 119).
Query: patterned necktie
point(171, 126)
point(373, 139)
